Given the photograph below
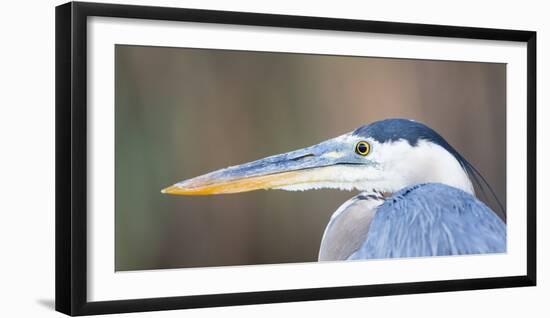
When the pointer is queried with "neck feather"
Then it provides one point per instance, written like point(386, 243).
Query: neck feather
point(426, 162)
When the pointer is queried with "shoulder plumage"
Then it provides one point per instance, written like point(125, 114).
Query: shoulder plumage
point(430, 220)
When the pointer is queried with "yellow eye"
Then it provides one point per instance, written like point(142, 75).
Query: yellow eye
point(362, 148)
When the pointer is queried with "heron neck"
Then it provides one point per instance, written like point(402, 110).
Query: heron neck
point(429, 163)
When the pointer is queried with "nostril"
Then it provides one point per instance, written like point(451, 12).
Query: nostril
point(303, 156)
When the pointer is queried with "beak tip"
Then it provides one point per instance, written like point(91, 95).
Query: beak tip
point(169, 190)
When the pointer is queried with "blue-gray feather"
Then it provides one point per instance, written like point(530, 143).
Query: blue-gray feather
point(432, 220)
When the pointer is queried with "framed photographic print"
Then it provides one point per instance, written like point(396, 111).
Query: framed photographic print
point(212, 158)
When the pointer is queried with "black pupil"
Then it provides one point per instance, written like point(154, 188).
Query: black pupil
point(362, 148)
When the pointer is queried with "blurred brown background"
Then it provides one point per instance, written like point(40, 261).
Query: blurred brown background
point(183, 112)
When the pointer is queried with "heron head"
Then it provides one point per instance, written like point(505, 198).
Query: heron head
point(384, 156)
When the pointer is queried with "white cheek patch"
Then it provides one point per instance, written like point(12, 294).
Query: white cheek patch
point(426, 162)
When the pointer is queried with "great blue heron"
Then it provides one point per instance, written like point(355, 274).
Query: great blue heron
point(417, 196)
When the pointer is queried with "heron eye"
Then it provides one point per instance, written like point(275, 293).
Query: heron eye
point(362, 148)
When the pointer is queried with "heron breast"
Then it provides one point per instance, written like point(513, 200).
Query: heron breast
point(348, 228)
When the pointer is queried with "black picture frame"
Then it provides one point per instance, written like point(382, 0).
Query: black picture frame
point(71, 157)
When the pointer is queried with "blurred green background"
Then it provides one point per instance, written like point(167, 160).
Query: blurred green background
point(184, 112)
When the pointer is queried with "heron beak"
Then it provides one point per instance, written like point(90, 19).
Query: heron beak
point(207, 186)
point(302, 166)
